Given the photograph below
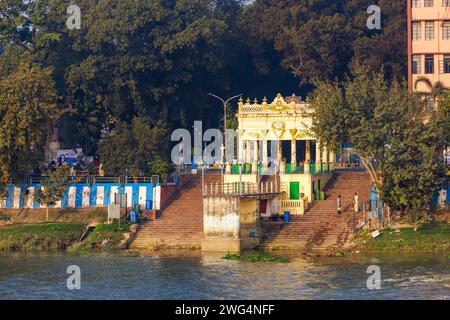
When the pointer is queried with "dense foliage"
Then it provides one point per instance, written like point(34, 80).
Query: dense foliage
point(157, 60)
point(399, 140)
point(133, 147)
point(28, 106)
point(323, 39)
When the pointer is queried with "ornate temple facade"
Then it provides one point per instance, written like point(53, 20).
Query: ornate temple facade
point(286, 123)
point(277, 149)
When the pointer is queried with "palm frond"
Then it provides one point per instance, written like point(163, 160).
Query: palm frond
point(439, 88)
point(424, 80)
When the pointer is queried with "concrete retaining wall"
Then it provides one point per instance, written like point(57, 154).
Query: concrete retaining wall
point(230, 224)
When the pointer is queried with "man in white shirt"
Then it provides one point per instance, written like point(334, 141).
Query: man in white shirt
point(356, 202)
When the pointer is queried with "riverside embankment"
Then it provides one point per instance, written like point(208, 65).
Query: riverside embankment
point(29, 231)
point(428, 238)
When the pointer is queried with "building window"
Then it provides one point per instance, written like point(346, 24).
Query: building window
point(416, 31)
point(446, 30)
point(428, 3)
point(429, 64)
point(446, 63)
point(429, 30)
point(417, 64)
point(416, 3)
point(446, 3)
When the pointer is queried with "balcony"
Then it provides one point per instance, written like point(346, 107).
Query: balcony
point(244, 189)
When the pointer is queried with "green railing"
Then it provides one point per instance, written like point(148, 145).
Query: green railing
point(246, 168)
point(295, 169)
point(260, 169)
point(299, 168)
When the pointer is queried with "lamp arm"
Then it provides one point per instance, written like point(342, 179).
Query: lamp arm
point(237, 96)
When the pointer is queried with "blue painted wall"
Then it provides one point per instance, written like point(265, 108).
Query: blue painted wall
point(92, 199)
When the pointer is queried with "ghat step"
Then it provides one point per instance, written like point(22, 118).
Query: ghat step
point(321, 228)
point(180, 224)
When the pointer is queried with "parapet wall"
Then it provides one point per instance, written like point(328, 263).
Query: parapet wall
point(86, 196)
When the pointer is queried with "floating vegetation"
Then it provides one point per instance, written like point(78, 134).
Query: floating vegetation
point(258, 257)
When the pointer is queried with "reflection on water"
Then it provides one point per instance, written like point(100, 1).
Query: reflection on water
point(194, 275)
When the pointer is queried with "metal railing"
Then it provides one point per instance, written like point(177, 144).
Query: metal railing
point(294, 206)
point(246, 168)
point(183, 169)
point(295, 168)
point(243, 188)
point(90, 180)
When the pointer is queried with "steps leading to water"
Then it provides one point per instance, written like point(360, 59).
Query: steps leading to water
point(322, 228)
point(180, 225)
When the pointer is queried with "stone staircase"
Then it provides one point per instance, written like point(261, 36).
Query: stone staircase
point(321, 228)
point(180, 224)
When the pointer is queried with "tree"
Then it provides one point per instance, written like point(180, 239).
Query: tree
point(161, 168)
point(54, 187)
point(141, 58)
point(384, 49)
point(325, 39)
point(399, 143)
point(415, 168)
point(133, 147)
point(28, 105)
point(3, 189)
point(444, 109)
point(129, 59)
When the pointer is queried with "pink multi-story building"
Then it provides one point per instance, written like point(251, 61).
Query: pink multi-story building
point(428, 42)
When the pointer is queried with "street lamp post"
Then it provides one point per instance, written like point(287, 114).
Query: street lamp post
point(202, 164)
point(222, 156)
point(225, 104)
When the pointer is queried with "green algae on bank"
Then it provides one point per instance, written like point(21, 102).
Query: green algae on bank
point(256, 257)
point(429, 238)
point(39, 237)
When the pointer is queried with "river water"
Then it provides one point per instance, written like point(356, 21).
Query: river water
point(193, 275)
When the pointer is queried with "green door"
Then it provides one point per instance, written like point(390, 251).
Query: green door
point(294, 190)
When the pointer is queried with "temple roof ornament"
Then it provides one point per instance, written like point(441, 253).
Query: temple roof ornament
point(283, 118)
point(292, 104)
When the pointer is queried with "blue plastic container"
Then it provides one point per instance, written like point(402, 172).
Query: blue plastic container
point(133, 216)
point(287, 216)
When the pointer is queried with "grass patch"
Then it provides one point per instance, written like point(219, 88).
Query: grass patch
point(429, 238)
point(258, 257)
point(113, 232)
point(99, 214)
point(39, 237)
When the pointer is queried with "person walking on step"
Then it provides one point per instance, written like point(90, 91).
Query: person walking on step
point(356, 202)
point(339, 204)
